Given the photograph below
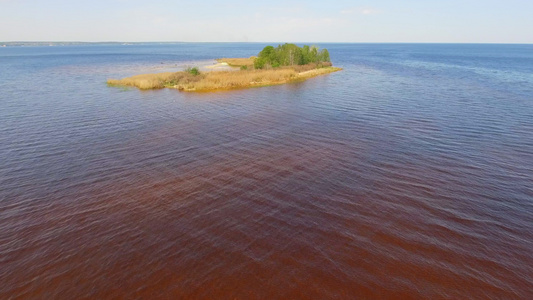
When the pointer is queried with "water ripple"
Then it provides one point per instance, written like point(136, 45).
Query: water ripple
point(406, 175)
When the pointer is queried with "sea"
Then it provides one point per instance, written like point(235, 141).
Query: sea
point(408, 174)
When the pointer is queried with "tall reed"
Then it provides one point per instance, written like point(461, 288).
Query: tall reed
point(217, 80)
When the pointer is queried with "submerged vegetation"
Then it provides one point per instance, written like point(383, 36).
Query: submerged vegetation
point(286, 63)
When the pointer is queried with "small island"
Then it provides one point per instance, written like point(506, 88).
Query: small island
point(272, 66)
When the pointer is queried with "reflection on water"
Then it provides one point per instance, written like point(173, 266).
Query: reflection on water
point(384, 180)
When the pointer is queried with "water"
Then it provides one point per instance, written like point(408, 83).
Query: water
point(409, 174)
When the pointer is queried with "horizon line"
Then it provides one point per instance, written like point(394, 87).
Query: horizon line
point(260, 42)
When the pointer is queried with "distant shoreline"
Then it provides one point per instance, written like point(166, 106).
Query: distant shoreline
point(117, 43)
point(62, 44)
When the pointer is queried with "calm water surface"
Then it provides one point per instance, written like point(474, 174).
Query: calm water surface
point(409, 174)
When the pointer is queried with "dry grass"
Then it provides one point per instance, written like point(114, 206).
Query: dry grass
point(157, 80)
point(222, 80)
point(240, 79)
point(144, 81)
point(311, 66)
point(237, 62)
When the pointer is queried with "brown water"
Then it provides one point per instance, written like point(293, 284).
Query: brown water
point(396, 178)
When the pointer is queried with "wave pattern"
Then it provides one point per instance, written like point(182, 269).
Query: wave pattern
point(397, 177)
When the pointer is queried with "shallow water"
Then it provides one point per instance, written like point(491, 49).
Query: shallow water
point(408, 174)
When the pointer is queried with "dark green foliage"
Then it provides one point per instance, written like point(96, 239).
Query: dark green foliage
point(193, 71)
point(323, 56)
point(306, 55)
point(269, 53)
point(244, 67)
point(313, 54)
point(259, 62)
point(290, 55)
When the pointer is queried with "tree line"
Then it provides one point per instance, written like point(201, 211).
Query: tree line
point(289, 55)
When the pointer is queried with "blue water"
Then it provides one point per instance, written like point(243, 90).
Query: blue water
point(408, 174)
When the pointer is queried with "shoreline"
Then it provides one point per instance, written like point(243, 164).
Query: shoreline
point(226, 74)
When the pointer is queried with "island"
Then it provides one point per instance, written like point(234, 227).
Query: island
point(272, 66)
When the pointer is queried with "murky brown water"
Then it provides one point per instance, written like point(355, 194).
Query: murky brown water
point(371, 183)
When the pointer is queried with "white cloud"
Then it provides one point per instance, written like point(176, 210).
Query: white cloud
point(369, 11)
point(360, 11)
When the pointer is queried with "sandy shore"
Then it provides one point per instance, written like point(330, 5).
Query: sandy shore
point(219, 66)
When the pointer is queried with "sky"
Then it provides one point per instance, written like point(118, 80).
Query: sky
point(378, 21)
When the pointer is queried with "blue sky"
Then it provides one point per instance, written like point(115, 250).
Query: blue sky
point(451, 21)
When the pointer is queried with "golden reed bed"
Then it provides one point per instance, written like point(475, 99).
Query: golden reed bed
point(223, 80)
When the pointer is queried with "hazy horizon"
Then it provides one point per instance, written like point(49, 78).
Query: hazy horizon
point(255, 42)
point(381, 21)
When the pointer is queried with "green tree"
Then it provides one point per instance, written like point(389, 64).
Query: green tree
point(259, 62)
point(305, 55)
point(288, 55)
point(313, 54)
point(324, 56)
